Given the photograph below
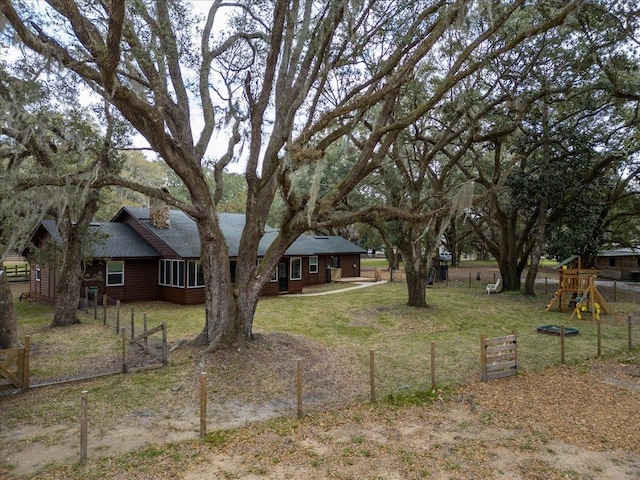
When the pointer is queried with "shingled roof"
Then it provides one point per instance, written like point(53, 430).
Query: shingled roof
point(110, 240)
point(182, 236)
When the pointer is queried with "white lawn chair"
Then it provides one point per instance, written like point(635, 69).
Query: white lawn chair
point(493, 287)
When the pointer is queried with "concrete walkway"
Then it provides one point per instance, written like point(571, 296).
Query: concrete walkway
point(329, 292)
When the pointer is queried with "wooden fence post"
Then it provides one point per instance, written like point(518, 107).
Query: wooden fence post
point(615, 291)
point(483, 358)
point(83, 427)
point(469, 279)
point(433, 365)
point(372, 375)
point(203, 404)
point(146, 339)
point(117, 317)
point(299, 386)
point(25, 363)
point(562, 346)
point(125, 341)
point(95, 307)
point(630, 338)
point(132, 326)
point(104, 309)
point(86, 300)
point(165, 355)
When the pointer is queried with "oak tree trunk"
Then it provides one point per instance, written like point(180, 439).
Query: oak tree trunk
point(416, 286)
point(8, 320)
point(69, 279)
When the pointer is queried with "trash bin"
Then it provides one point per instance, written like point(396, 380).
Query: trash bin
point(635, 275)
point(444, 270)
point(327, 277)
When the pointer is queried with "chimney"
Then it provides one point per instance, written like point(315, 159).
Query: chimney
point(159, 212)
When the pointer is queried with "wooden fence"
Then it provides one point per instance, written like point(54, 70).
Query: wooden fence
point(18, 271)
point(499, 357)
point(142, 340)
point(14, 367)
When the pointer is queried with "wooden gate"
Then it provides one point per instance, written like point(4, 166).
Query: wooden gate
point(499, 357)
point(14, 367)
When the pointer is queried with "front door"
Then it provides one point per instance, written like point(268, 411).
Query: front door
point(283, 276)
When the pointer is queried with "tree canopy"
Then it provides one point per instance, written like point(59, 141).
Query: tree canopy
point(289, 84)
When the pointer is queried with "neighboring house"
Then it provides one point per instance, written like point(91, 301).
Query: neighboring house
point(620, 264)
point(154, 254)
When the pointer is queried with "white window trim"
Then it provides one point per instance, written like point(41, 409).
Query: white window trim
point(291, 260)
point(198, 266)
point(313, 264)
point(274, 273)
point(38, 273)
point(121, 272)
point(172, 263)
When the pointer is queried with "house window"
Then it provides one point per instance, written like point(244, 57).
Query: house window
point(115, 273)
point(38, 273)
point(274, 273)
point(172, 273)
point(195, 278)
point(313, 264)
point(612, 261)
point(296, 268)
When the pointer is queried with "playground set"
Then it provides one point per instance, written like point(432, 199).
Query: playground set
point(577, 291)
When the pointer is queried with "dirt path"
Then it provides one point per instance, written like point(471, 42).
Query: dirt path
point(565, 422)
point(578, 422)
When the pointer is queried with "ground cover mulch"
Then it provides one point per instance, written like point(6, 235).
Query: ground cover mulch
point(565, 422)
point(571, 422)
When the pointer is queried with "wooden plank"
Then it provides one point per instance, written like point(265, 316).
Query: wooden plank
point(144, 368)
point(501, 359)
point(9, 355)
point(508, 373)
point(13, 378)
point(144, 335)
point(500, 340)
point(501, 348)
point(501, 366)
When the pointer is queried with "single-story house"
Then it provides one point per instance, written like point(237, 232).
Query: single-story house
point(620, 264)
point(154, 254)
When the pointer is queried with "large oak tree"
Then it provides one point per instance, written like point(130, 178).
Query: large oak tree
point(284, 80)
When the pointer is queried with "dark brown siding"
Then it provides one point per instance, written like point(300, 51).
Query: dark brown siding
point(350, 265)
point(140, 281)
point(43, 290)
point(270, 288)
point(295, 286)
point(194, 296)
point(172, 294)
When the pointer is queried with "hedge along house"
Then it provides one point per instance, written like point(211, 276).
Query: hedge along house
point(166, 265)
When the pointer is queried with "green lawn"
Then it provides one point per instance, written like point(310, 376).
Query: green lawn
point(357, 321)
point(347, 324)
